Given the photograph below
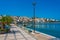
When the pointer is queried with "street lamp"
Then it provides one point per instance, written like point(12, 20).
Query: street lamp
point(34, 4)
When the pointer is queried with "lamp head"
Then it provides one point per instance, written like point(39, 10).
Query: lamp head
point(34, 3)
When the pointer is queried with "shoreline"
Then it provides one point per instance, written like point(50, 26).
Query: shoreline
point(43, 33)
point(39, 35)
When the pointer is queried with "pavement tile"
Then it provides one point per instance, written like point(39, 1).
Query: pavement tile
point(16, 33)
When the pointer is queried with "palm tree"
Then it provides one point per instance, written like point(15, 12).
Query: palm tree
point(6, 20)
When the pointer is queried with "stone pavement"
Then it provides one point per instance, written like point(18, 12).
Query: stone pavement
point(16, 34)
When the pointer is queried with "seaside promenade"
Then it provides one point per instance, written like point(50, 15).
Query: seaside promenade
point(16, 34)
point(19, 34)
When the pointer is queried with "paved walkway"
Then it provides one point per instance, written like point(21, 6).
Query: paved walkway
point(16, 34)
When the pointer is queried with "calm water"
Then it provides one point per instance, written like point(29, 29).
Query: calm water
point(48, 28)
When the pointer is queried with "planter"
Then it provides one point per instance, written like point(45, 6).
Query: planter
point(29, 31)
point(7, 30)
point(2, 32)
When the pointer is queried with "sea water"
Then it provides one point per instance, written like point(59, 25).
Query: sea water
point(52, 29)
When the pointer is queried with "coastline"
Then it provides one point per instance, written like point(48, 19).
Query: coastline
point(43, 33)
point(46, 34)
point(41, 36)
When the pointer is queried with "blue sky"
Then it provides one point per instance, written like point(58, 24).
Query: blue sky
point(44, 8)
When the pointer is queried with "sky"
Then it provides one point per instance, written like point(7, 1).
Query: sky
point(44, 8)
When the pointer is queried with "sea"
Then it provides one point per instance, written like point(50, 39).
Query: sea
point(50, 28)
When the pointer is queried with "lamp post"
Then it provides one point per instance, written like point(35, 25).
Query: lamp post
point(34, 4)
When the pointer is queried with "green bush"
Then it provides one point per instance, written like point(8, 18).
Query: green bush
point(1, 29)
point(7, 30)
point(4, 30)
